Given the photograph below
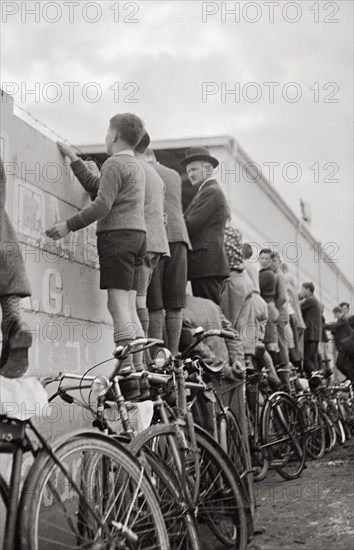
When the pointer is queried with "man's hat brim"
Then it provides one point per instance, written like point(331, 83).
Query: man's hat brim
point(204, 158)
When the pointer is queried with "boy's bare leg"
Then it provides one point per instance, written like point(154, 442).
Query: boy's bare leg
point(125, 331)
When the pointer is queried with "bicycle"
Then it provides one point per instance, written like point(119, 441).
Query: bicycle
point(209, 483)
point(277, 431)
point(64, 505)
point(179, 520)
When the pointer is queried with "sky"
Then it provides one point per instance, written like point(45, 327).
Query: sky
point(288, 68)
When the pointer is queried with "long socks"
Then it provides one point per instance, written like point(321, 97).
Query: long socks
point(174, 320)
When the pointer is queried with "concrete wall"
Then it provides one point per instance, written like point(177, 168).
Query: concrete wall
point(67, 312)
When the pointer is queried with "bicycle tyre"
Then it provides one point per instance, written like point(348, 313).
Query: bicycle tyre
point(283, 433)
point(4, 491)
point(230, 524)
point(180, 523)
point(43, 528)
point(260, 463)
point(314, 428)
point(330, 432)
point(236, 450)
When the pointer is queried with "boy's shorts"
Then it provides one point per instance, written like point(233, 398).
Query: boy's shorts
point(120, 253)
point(167, 289)
point(146, 270)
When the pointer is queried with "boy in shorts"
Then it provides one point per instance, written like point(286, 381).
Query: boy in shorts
point(118, 207)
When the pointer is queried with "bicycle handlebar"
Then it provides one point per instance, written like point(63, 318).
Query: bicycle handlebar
point(200, 334)
point(139, 344)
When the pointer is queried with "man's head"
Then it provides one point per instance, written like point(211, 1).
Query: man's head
point(199, 164)
point(198, 171)
point(276, 261)
point(345, 308)
point(143, 144)
point(124, 132)
point(307, 289)
point(247, 251)
point(337, 312)
point(265, 258)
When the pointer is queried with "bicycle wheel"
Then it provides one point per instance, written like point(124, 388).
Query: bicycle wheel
point(232, 441)
point(330, 432)
point(219, 501)
point(345, 411)
point(314, 428)
point(260, 464)
point(4, 491)
point(283, 435)
point(102, 500)
point(338, 425)
point(180, 522)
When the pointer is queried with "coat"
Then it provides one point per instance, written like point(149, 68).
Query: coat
point(206, 218)
point(175, 224)
point(13, 278)
point(312, 315)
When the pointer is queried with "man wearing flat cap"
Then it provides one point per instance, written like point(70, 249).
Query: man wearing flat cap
point(206, 217)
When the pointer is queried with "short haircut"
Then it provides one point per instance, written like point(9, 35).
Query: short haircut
point(247, 251)
point(309, 286)
point(129, 127)
point(143, 144)
point(336, 309)
point(344, 304)
point(351, 321)
point(275, 256)
point(266, 251)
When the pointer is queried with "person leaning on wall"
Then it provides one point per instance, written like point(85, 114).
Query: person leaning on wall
point(14, 285)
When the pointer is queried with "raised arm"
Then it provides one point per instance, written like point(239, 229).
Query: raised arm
point(89, 181)
point(110, 184)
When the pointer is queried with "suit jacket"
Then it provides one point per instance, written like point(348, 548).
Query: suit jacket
point(312, 315)
point(206, 218)
point(175, 226)
point(156, 236)
point(340, 330)
point(345, 359)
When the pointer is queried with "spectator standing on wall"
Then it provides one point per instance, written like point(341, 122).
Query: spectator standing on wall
point(206, 217)
point(118, 206)
point(167, 289)
point(268, 291)
point(312, 315)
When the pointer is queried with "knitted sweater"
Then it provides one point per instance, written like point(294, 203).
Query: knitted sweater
point(267, 284)
point(119, 195)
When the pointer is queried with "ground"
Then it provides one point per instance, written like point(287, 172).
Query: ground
point(314, 512)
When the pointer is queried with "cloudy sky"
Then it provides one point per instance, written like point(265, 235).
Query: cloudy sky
point(290, 64)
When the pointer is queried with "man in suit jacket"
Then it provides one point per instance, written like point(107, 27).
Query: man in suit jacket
point(312, 315)
point(167, 289)
point(206, 218)
point(345, 359)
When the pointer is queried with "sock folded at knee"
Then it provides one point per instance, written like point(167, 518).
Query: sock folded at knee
point(143, 314)
point(156, 325)
point(174, 320)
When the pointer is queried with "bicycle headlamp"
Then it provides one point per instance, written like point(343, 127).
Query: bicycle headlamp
point(100, 385)
point(163, 358)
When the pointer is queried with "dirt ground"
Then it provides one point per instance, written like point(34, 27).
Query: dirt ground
point(314, 512)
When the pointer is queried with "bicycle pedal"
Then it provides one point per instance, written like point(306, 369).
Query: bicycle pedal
point(276, 463)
